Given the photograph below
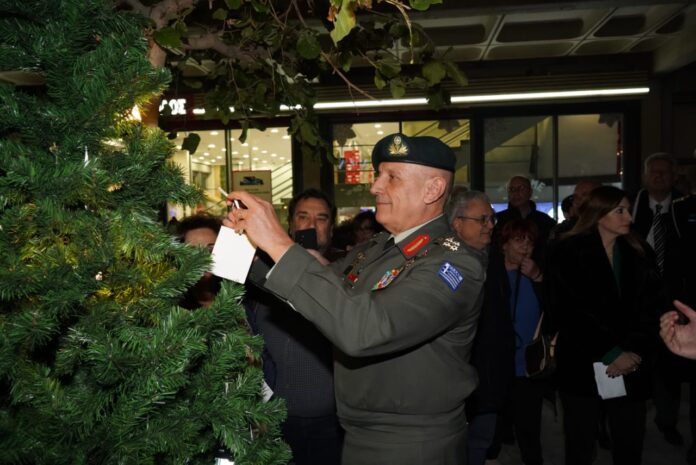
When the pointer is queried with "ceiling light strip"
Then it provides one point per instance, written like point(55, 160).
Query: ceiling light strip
point(509, 97)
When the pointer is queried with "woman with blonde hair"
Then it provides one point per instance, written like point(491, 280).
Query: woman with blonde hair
point(604, 294)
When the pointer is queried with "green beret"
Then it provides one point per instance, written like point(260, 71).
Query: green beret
point(423, 150)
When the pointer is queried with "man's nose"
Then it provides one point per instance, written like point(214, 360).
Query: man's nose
point(376, 186)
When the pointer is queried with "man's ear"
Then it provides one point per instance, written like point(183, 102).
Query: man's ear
point(435, 188)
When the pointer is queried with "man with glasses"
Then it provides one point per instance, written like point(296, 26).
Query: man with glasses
point(521, 206)
point(471, 217)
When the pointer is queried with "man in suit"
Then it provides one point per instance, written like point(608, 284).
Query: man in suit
point(655, 219)
point(301, 355)
point(400, 309)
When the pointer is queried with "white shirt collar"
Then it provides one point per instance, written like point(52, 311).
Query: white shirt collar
point(404, 234)
point(665, 203)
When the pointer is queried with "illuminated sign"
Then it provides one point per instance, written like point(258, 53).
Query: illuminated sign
point(177, 106)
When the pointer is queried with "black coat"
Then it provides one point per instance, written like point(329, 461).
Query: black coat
point(676, 264)
point(594, 314)
point(493, 353)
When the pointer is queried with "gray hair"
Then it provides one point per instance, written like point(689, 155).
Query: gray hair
point(664, 156)
point(460, 199)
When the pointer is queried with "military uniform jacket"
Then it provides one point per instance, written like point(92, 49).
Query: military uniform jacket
point(402, 321)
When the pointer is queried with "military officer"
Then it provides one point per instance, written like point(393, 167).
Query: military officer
point(400, 309)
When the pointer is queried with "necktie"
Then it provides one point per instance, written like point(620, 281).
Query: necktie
point(658, 229)
point(389, 243)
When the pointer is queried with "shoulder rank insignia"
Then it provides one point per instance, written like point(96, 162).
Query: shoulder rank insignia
point(451, 243)
point(416, 244)
point(450, 275)
point(396, 148)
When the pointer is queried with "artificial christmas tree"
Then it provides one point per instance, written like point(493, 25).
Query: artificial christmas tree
point(98, 364)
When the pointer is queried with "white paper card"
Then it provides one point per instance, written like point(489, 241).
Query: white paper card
point(607, 387)
point(266, 391)
point(232, 255)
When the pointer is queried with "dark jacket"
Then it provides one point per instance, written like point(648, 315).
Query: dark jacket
point(298, 360)
point(594, 314)
point(675, 265)
point(685, 215)
point(493, 353)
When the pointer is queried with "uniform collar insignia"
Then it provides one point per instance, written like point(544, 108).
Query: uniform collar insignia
point(416, 244)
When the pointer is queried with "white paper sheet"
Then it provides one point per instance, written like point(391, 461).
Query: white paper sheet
point(607, 387)
point(232, 255)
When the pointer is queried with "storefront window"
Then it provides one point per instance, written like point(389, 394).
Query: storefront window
point(261, 165)
point(519, 146)
point(589, 147)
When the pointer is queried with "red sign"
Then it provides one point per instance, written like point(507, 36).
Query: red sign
point(352, 158)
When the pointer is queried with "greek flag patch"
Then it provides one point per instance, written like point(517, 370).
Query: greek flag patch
point(450, 275)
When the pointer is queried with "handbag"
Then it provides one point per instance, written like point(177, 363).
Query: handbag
point(540, 354)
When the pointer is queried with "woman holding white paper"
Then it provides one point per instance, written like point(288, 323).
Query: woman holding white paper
point(603, 288)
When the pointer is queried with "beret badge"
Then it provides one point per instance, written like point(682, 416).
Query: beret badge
point(396, 148)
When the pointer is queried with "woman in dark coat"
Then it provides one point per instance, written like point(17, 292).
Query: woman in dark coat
point(603, 290)
point(510, 313)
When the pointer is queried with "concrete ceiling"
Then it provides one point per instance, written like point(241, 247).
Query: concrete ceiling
point(495, 30)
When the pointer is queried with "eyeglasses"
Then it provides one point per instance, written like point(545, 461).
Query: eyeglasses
point(482, 220)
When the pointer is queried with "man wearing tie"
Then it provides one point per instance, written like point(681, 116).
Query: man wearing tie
point(655, 220)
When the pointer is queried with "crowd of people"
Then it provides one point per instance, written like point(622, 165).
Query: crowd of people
point(401, 339)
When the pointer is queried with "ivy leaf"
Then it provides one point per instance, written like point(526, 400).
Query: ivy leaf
point(434, 72)
point(193, 83)
point(455, 74)
point(261, 89)
point(191, 142)
point(245, 131)
point(346, 60)
point(397, 88)
point(422, 5)
point(308, 133)
point(345, 21)
point(389, 67)
point(308, 151)
point(308, 46)
point(256, 124)
point(233, 4)
point(220, 14)
point(168, 37)
point(379, 81)
point(259, 7)
point(438, 97)
point(419, 83)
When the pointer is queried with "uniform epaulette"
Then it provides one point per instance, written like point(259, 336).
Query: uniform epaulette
point(449, 242)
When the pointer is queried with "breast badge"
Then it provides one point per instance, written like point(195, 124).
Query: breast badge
point(385, 280)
